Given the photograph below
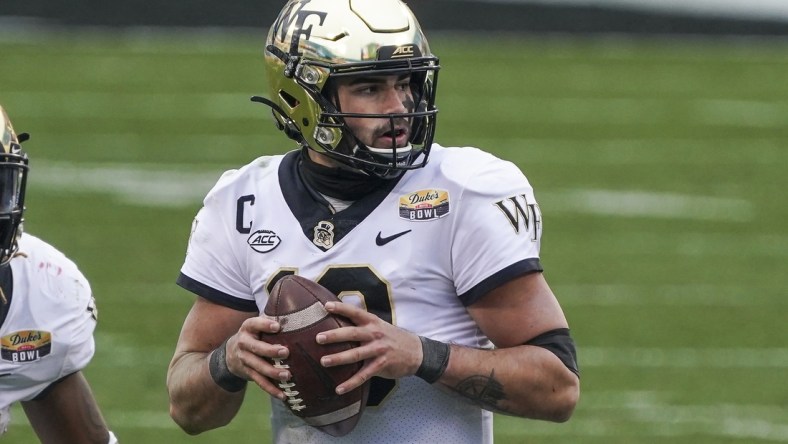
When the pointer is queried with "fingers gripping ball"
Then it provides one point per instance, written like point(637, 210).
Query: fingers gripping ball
point(298, 304)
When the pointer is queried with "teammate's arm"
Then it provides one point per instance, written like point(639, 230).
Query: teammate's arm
point(67, 413)
point(197, 402)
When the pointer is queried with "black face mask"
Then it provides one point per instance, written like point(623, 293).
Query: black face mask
point(338, 183)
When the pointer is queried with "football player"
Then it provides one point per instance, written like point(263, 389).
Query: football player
point(434, 251)
point(47, 318)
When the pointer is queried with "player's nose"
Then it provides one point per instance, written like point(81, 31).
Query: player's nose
point(395, 101)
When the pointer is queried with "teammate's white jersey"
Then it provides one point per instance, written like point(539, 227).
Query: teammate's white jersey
point(415, 253)
point(46, 328)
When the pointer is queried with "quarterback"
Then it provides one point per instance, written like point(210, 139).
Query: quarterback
point(47, 318)
point(433, 251)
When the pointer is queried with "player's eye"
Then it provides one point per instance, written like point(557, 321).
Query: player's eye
point(366, 90)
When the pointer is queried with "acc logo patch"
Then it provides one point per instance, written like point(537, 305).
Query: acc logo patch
point(424, 205)
point(397, 52)
point(263, 241)
point(25, 346)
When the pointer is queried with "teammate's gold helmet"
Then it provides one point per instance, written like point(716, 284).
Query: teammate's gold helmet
point(13, 180)
point(315, 41)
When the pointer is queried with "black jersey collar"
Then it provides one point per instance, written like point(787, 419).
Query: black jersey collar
point(310, 208)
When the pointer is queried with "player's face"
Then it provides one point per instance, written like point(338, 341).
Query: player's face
point(377, 95)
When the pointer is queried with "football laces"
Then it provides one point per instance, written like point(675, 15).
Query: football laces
point(293, 400)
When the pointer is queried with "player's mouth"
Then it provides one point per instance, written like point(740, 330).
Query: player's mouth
point(398, 137)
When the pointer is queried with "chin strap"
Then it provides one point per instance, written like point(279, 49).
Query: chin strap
point(289, 127)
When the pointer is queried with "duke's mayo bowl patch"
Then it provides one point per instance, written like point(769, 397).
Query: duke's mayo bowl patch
point(424, 205)
point(25, 346)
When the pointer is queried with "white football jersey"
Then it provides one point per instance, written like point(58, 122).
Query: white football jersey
point(415, 253)
point(47, 326)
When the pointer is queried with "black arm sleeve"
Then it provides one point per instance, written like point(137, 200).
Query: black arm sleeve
point(560, 344)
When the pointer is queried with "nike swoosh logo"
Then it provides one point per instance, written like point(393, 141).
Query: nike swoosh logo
point(381, 241)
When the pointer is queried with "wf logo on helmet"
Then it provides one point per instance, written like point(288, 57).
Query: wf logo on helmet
point(25, 346)
point(424, 205)
point(295, 15)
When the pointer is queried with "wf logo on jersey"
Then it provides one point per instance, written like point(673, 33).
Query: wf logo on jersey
point(519, 212)
point(424, 205)
point(263, 241)
point(25, 346)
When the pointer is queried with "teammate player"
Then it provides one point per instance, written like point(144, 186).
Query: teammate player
point(434, 251)
point(47, 317)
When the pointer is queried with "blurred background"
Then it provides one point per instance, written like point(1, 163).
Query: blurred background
point(654, 132)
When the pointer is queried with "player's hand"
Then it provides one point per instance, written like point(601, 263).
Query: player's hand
point(387, 351)
point(246, 355)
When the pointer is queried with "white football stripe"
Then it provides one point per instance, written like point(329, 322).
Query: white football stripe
point(301, 319)
point(335, 416)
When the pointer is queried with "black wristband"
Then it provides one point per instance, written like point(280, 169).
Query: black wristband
point(221, 374)
point(435, 359)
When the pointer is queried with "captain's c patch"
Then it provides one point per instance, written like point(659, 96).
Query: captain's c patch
point(25, 346)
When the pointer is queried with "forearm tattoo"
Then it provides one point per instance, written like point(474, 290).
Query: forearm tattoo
point(484, 391)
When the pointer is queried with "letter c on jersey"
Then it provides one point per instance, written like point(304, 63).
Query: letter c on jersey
point(239, 214)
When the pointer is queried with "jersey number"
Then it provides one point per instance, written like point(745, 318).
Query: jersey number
point(374, 293)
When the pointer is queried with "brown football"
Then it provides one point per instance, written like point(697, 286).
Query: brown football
point(298, 304)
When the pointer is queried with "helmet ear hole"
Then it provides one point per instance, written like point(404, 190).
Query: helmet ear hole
point(289, 126)
point(291, 101)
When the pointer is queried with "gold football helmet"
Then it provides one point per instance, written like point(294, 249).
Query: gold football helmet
point(313, 42)
point(13, 181)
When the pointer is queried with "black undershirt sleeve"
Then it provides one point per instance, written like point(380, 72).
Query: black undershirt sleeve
point(560, 343)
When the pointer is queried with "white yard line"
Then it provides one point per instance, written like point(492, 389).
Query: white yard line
point(685, 357)
point(159, 187)
point(649, 204)
point(742, 9)
point(663, 422)
point(129, 183)
point(695, 295)
point(638, 414)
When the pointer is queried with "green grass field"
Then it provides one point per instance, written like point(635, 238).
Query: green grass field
point(660, 167)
